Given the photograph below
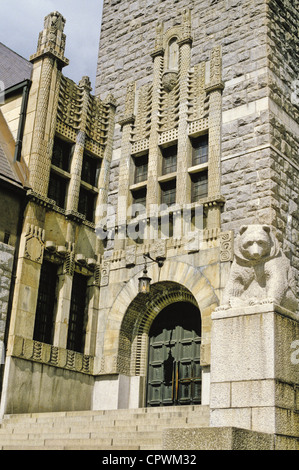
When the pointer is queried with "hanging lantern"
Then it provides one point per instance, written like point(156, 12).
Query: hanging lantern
point(144, 282)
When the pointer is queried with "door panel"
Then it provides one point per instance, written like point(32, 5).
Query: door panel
point(174, 371)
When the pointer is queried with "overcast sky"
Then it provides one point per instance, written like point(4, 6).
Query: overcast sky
point(22, 20)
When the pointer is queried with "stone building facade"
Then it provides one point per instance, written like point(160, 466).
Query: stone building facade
point(215, 74)
point(158, 260)
point(66, 148)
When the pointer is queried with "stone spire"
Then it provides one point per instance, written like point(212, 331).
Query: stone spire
point(52, 39)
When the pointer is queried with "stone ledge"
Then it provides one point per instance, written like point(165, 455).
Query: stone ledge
point(262, 307)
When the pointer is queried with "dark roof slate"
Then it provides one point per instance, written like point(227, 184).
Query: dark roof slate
point(6, 170)
point(14, 69)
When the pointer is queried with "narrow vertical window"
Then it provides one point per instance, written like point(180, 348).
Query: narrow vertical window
point(173, 54)
point(199, 184)
point(168, 192)
point(169, 162)
point(44, 317)
point(76, 334)
point(141, 168)
point(200, 152)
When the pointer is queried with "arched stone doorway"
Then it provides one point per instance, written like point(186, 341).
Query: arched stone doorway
point(174, 370)
point(173, 305)
point(123, 351)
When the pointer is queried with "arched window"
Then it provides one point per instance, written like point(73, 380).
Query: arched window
point(173, 54)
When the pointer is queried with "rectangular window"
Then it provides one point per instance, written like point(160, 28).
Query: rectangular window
point(141, 168)
point(86, 206)
point(90, 170)
point(62, 153)
point(57, 189)
point(44, 316)
point(169, 162)
point(76, 333)
point(200, 149)
point(139, 197)
point(199, 182)
point(168, 192)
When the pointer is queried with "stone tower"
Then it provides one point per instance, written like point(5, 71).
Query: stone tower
point(256, 45)
point(159, 252)
point(205, 145)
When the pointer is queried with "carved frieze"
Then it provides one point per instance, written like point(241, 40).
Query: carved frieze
point(36, 351)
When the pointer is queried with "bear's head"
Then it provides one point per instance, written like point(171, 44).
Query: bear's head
point(256, 242)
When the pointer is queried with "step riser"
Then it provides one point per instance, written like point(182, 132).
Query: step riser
point(140, 429)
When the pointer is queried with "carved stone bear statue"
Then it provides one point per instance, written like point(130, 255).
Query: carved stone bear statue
point(260, 271)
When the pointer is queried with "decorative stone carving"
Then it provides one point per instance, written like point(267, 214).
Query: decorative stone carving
point(105, 270)
point(260, 272)
point(52, 355)
point(34, 243)
point(169, 80)
point(226, 246)
point(131, 256)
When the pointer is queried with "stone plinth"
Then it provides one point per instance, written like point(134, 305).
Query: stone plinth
point(226, 438)
point(254, 369)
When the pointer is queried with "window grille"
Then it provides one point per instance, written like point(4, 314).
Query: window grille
point(168, 192)
point(86, 204)
point(199, 186)
point(200, 150)
point(62, 152)
point(44, 317)
point(90, 170)
point(57, 189)
point(76, 334)
point(169, 162)
point(141, 168)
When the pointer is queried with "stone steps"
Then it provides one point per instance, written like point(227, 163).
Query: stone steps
point(138, 429)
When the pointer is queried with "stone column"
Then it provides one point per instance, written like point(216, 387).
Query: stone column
point(215, 103)
point(27, 282)
point(153, 188)
point(125, 168)
point(183, 183)
point(76, 165)
point(65, 282)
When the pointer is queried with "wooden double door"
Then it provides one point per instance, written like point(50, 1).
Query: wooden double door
point(174, 371)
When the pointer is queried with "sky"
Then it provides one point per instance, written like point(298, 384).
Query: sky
point(22, 20)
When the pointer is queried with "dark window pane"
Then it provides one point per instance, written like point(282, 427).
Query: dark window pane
point(75, 340)
point(168, 192)
point(139, 197)
point(200, 148)
point(90, 170)
point(57, 189)
point(169, 162)
point(199, 186)
point(86, 204)
point(141, 167)
point(44, 317)
point(62, 152)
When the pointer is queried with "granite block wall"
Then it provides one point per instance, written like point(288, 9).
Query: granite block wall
point(260, 132)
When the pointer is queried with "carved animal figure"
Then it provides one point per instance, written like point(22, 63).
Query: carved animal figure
point(260, 271)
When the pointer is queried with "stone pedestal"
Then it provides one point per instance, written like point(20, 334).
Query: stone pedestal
point(255, 370)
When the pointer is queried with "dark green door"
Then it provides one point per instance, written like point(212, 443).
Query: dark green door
point(174, 371)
